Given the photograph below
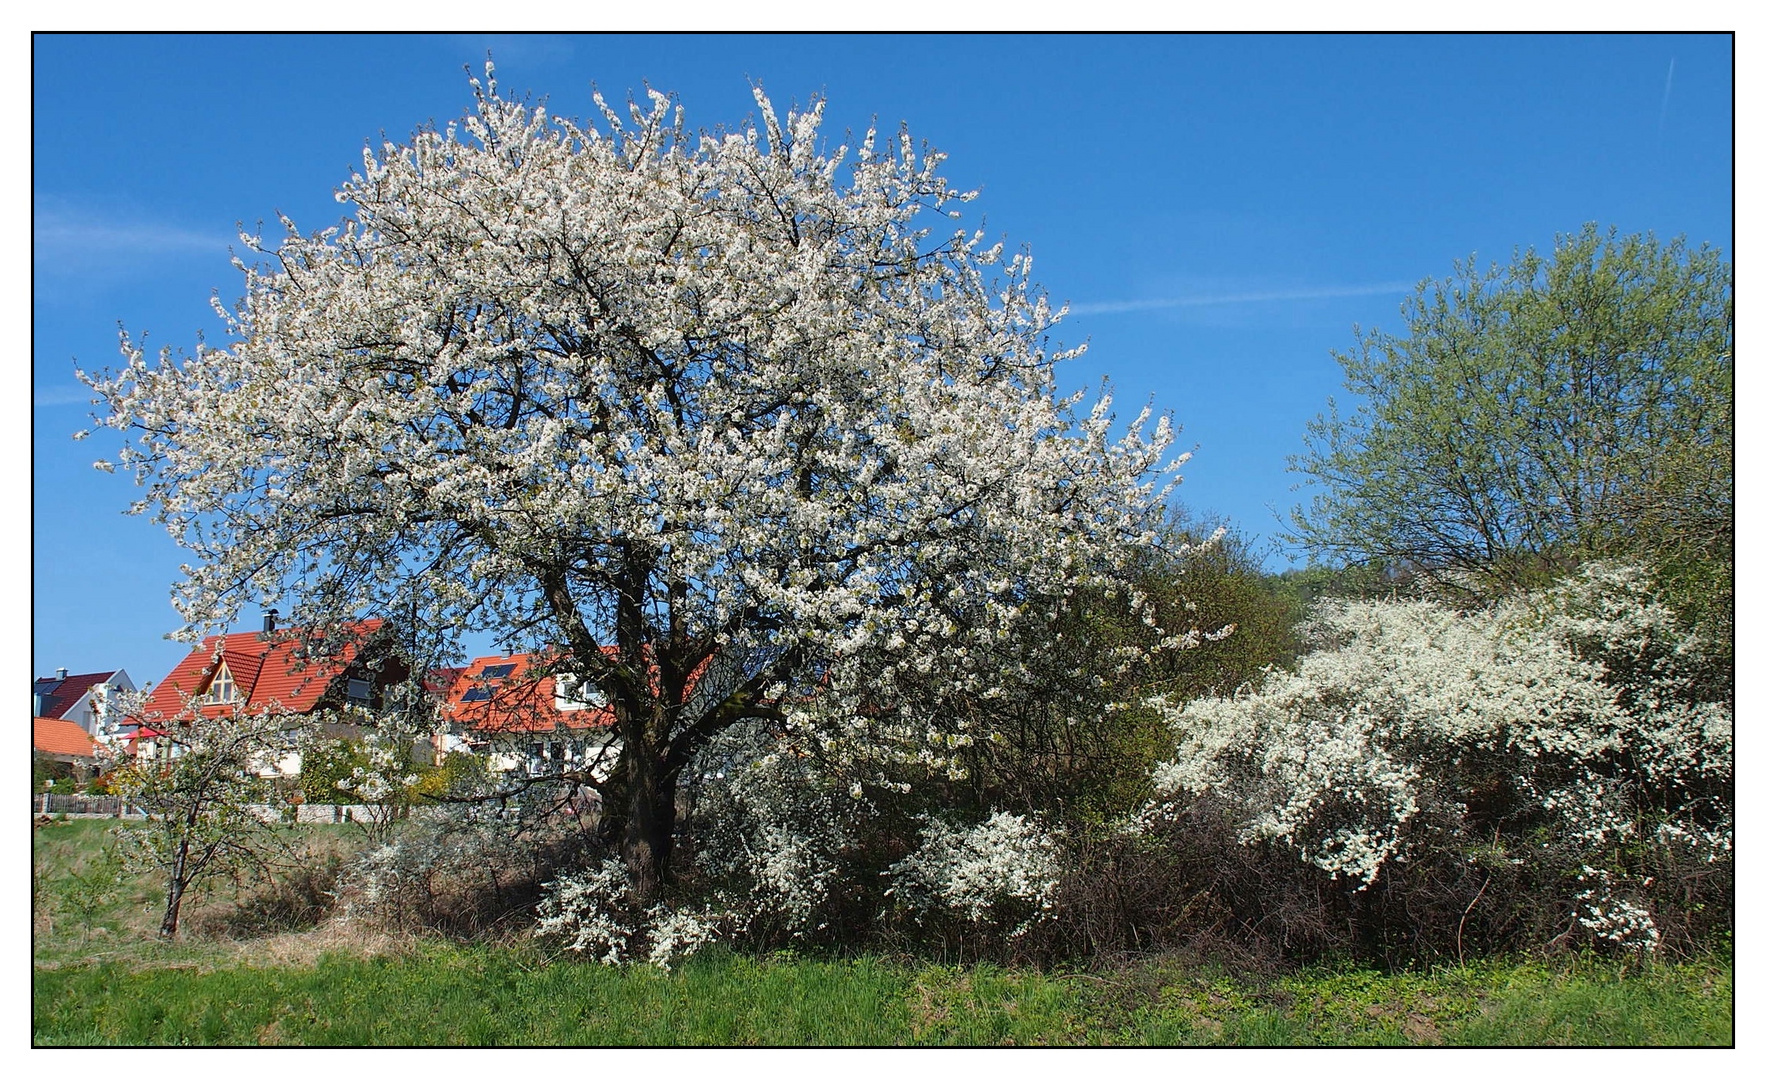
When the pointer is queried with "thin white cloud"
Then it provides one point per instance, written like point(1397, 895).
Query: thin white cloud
point(508, 49)
point(1119, 307)
point(49, 396)
point(56, 234)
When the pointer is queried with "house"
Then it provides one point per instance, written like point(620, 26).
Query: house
point(267, 670)
point(514, 710)
point(80, 699)
point(65, 746)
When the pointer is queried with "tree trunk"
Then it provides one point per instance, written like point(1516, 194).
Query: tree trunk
point(168, 926)
point(647, 843)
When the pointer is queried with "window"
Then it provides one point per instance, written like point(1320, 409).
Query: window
point(478, 693)
point(358, 691)
point(498, 671)
point(570, 694)
point(221, 689)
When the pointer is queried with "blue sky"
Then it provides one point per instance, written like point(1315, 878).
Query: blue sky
point(1220, 211)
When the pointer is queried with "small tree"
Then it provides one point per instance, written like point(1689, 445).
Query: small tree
point(710, 415)
point(1537, 415)
point(199, 787)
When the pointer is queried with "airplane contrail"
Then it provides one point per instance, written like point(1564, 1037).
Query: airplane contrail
point(1662, 120)
point(1114, 307)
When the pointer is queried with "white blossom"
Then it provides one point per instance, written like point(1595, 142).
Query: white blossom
point(1584, 701)
point(593, 912)
point(974, 872)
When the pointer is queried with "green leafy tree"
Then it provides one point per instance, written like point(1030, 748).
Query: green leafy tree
point(1219, 583)
point(1535, 416)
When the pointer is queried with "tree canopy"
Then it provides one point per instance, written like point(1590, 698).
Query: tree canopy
point(708, 415)
point(1536, 415)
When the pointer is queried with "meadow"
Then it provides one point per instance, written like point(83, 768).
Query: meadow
point(100, 977)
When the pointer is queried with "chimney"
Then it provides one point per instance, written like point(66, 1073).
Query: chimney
point(270, 621)
point(61, 674)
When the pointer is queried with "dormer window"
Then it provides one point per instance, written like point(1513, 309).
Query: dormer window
point(221, 689)
point(571, 693)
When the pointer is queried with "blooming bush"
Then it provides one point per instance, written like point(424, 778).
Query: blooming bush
point(593, 912)
point(1002, 871)
point(777, 838)
point(1577, 727)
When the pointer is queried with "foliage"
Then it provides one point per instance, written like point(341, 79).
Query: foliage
point(458, 773)
point(777, 837)
point(1071, 744)
point(1573, 746)
point(716, 417)
point(52, 775)
point(1218, 582)
point(1537, 415)
point(325, 763)
point(375, 771)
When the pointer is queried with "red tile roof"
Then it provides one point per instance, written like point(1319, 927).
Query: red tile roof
point(59, 695)
point(515, 700)
point(440, 680)
point(268, 671)
point(60, 737)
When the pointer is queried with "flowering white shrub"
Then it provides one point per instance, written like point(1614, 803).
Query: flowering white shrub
point(593, 912)
point(777, 828)
point(582, 910)
point(1585, 709)
point(377, 874)
point(1614, 918)
point(977, 873)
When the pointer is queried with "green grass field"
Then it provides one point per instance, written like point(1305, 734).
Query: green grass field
point(101, 979)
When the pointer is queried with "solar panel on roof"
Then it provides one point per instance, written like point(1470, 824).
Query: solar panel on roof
point(498, 671)
point(478, 693)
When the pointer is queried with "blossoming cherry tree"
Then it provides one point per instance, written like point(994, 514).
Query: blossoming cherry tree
point(709, 415)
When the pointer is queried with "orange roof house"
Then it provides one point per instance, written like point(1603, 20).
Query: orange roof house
point(62, 740)
point(256, 672)
point(503, 695)
point(526, 718)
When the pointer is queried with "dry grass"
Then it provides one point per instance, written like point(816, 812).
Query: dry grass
point(334, 936)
